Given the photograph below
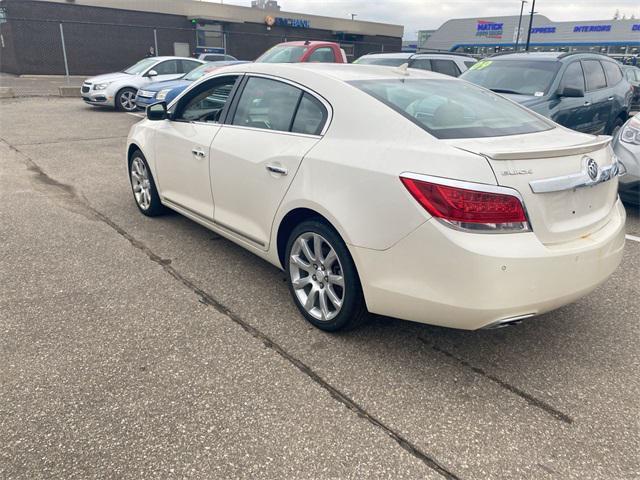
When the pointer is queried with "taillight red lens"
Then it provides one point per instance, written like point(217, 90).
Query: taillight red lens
point(466, 206)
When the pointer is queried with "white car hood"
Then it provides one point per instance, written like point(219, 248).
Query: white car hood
point(110, 77)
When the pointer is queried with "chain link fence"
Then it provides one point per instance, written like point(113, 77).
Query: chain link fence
point(47, 47)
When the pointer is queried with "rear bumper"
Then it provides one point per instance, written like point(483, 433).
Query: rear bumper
point(456, 279)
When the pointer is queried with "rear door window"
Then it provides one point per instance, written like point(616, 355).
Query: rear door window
point(448, 67)
point(187, 65)
point(613, 73)
point(594, 75)
point(267, 104)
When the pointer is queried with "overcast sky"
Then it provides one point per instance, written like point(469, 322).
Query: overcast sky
point(430, 14)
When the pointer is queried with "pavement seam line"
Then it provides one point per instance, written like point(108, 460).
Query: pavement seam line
point(530, 399)
point(209, 300)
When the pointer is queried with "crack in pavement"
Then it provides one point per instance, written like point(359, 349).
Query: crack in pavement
point(530, 399)
point(72, 196)
point(70, 140)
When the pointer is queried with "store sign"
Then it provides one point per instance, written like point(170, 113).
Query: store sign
point(592, 28)
point(635, 27)
point(287, 22)
point(489, 29)
point(543, 30)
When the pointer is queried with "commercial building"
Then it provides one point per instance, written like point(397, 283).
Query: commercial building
point(95, 36)
point(487, 35)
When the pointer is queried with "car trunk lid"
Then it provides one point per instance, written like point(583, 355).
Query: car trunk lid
point(550, 170)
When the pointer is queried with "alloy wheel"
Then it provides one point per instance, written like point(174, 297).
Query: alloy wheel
point(317, 276)
point(141, 183)
point(128, 100)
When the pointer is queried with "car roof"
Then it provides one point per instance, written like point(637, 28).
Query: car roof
point(344, 72)
point(305, 43)
point(388, 55)
point(175, 58)
point(540, 56)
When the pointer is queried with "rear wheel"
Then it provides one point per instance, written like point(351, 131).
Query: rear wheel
point(126, 100)
point(322, 278)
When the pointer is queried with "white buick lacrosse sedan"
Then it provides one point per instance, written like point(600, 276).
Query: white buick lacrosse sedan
point(399, 192)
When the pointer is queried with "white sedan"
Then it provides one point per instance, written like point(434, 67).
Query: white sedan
point(395, 191)
point(118, 90)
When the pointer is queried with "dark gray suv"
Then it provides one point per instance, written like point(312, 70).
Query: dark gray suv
point(582, 91)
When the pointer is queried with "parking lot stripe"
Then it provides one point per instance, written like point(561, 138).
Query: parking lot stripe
point(633, 238)
point(139, 115)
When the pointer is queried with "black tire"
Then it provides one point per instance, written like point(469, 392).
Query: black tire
point(122, 100)
point(353, 311)
point(155, 207)
point(617, 124)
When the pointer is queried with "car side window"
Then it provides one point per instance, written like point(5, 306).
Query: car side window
point(322, 55)
point(213, 58)
point(267, 104)
point(573, 77)
point(448, 67)
point(310, 116)
point(188, 65)
point(421, 63)
point(168, 67)
point(594, 75)
point(469, 64)
point(206, 103)
point(613, 72)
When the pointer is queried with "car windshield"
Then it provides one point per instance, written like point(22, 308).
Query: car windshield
point(522, 77)
point(386, 61)
point(453, 109)
point(282, 54)
point(141, 66)
point(202, 70)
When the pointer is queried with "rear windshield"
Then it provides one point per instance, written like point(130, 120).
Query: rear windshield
point(453, 109)
point(388, 62)
point(523, 77)
point(282, 54)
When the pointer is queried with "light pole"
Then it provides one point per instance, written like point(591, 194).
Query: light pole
point(353, 16)
point(533, 7)
point(520, 23)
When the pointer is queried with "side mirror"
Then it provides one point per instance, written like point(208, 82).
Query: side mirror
point(572, 92)
point(152, 73)
point(157, 111)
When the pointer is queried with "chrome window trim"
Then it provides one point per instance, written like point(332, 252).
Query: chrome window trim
point(266, 130)
point(578, 180)
point(479, 187)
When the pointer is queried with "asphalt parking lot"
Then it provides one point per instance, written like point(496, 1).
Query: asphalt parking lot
point(139, 348)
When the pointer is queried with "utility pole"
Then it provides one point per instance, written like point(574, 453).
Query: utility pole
point(520, 24)
point(533, 7)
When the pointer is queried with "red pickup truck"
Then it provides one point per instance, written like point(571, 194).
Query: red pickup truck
point(307, 51)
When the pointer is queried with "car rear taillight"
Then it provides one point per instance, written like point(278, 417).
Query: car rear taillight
point(472, 207)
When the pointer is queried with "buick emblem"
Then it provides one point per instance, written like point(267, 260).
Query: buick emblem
point(592, 168)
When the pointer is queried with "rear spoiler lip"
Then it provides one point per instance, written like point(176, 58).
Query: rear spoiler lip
point(599, 142)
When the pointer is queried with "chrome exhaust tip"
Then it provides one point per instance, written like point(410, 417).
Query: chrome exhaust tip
point(507, 322)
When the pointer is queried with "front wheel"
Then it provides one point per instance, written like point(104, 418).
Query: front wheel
point(126, 100)
point(144, 188)
point(322, 278)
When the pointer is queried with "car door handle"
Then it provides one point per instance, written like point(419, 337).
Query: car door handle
point(586, 104)
point(278, 170)
point(610, 98)
point(198, 153)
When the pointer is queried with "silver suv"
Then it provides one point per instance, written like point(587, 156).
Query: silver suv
point(447, 63)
